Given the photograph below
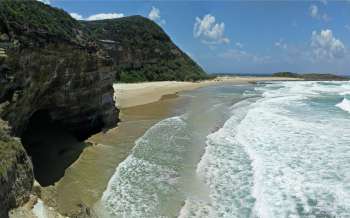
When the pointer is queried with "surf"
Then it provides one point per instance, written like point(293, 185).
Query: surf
point(344, 105)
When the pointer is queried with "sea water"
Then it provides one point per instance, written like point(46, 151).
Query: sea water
point(278, 149)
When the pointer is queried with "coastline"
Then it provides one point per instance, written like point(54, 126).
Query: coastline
point(135, 94)
point(141, 106)
point(90, 173)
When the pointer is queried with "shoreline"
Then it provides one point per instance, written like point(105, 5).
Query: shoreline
point(136, 94)
point(91, 172)
point(142, 105)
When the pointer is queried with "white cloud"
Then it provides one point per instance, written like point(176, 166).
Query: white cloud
point(281, 44)
point(76, 16)
point(325, 2)
point(239, 45)
point(325, 46)
point(102, 16)
point(45, 1)
point(209, 31)
point(154, 15)
point(315, 13)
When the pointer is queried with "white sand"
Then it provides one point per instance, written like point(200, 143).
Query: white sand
point(133, 94)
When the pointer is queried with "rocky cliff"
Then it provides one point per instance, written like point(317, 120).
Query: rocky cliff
point(50, 72)
point(142, 51)
point(16, 176)
point(56, 75)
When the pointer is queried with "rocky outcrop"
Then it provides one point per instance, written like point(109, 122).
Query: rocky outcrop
point(49, 69)
point(60, 71)
point(72, 86)
point(16, 175)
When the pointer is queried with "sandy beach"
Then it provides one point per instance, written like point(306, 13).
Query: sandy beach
point(141, 106)
point(133, 94)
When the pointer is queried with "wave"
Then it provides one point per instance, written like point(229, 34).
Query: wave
point(221, 164)
point(142, 183)
point(273, 159)
point(298, 163)
point(344, 105)
point(284, 154)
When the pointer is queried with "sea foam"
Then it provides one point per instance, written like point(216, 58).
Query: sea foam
point(285, 155)
point(142, 183)
point(344, 105)
point(225, 169)
point(299, 157)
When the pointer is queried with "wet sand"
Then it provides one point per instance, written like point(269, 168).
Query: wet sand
point(85, 181)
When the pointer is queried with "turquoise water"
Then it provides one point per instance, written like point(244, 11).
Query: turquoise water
point(272, 150)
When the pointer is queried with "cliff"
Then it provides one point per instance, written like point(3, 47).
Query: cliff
point(142, 51)
point(50, 72)
point(56, 77)
point(16, 176)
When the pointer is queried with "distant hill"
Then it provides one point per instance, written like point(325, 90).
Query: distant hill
point(312, 76)
point(142, 51)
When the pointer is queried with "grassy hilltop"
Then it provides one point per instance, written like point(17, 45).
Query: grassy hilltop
point(142, 51)
point(139, 48)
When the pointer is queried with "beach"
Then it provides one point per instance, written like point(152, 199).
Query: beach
point(133, 94)
point(89, 175)
point(142, 105)
point(242, 150)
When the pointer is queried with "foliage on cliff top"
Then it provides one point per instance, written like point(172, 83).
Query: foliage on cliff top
point(144, 52)
point(36, 20)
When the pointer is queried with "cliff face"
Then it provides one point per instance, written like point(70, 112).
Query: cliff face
point(71, 85)
point(16, 175)
point(50, 67)
point(142, 51)
point(57, 73)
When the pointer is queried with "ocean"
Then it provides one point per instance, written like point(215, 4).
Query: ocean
point(279, 149)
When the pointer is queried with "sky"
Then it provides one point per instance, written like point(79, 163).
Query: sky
point(246, 37)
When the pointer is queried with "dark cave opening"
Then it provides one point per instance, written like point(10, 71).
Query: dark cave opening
point(51, 147)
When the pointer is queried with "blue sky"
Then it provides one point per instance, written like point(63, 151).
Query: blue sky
point(243, 36)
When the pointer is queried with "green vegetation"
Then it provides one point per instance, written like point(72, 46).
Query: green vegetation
point(8, 150)
point(142, 51)
point(318, 76)
point(38, 21)
point(286, 74)
point(311, 76)
point(139, 48)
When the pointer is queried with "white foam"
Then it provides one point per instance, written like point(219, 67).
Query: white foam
point(278, 157)
point(344, 105)
point(284, 155)
point(39, 209)
point(227, 199)
point(293, 166)
point(140, 183)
